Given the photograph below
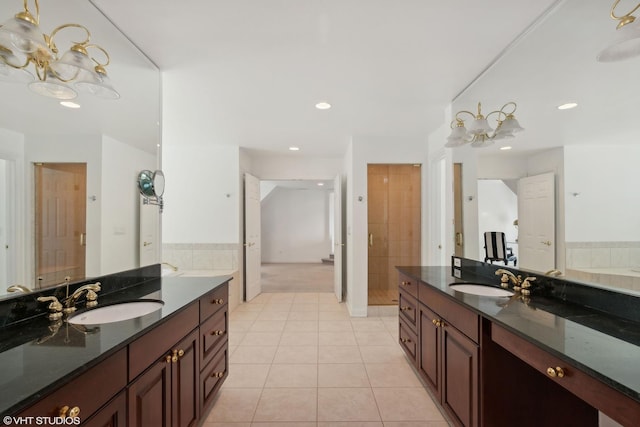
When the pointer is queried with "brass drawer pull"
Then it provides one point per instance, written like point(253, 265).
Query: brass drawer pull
point(176, 354)
point(405, 308)
point(405, 340)
point(65, 412)
point(437, 323)
point(404, 283)
point(217, 332)
point(557, 372)
point(217, 375)
point(217, 301)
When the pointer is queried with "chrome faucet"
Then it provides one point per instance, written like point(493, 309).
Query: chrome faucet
point(92, 297)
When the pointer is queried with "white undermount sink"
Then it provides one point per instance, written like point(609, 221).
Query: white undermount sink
point(483, 290)
point(116, 312)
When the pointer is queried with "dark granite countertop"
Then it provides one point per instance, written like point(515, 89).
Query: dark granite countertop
point(36, 358)
point(601, 345)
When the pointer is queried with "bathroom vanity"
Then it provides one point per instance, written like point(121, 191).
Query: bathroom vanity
point(160, 369)
point(506, 361)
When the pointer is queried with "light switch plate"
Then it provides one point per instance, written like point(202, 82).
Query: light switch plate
point(456, 262)
point(457, 273)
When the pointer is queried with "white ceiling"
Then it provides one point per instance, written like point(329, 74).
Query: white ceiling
point(389, 68)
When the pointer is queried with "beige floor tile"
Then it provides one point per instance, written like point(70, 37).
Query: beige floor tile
point(337, 338)
point(268, 326)
point(416, 424)
point(248, 307)
point(350, 424)
point(272, 315)
point(406, 404)
point(261, 338)
point(326, 298)
point(347, 404)
point(261, 299)
point(337, 307)
point(296, 354)
point(342, 375)
point(304, 307)
point(339, 354)
point(334, 315)
point(207, 424)
point(299, 338)
point(392, 375)
point(282, 297)
point(253, 355)
point(301, 326)
point(292, 376)
point(247, 376)
point(381, 337)
point(235, 405)
point(235, 338)
point(240, 325)
point(287, 404)
point(271, 306)
point(306, 298)
point(334, 326)
point(382, 354)
point(243, 315)
point(368, 324)
point(303, 315)
point(285, 424)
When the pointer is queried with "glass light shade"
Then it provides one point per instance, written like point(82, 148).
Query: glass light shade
point(510, 125)
point(99, 86)
point(72, 62)
point(451, 143)
point(53, 88)
point(481, 142)
point(14, 75)
point(624, 44)
point(25, 36)
point(458, 132)
point(479, 127)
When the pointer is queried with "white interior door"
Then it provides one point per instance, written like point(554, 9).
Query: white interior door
point(149, 234)
point(252, 257)
point(337, 233)
point(536, 222)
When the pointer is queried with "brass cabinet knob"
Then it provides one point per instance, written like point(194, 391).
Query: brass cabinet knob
point(217, 375)
point(65, 412)
point(217, 301)
point(555, 372)
point(168, 359)
point(403, 283)
point(405, 340)
point(217, 332)
point(437, 322)
point(405, 308)
point(180, 353)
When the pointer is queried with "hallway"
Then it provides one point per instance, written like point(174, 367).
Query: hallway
point(296, 277)
point(298, 359)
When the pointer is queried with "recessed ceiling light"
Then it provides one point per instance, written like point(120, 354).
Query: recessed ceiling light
point(567, 106)
point(294, 148)
point(323, 105)
point(69, 104)
point(320, 184)
point(507, 147)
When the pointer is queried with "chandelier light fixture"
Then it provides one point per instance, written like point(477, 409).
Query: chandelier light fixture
point(480, 133)
point(23, 45)
point(626, 41)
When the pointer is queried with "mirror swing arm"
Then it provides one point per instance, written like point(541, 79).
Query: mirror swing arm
point(151, 187)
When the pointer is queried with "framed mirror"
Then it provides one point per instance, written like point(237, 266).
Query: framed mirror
point(114, 139)
point(591, 149)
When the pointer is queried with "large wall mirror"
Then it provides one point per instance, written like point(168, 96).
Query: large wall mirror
point(592, 151)
point(111, 141)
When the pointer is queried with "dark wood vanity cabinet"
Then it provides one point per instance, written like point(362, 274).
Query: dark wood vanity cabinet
point(448, 359)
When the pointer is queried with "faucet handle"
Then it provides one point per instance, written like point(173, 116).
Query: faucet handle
point(55, 307)
point(526, 283)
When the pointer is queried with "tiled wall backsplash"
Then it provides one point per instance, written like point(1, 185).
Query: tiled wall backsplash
point(602, 255)
point(201, 256)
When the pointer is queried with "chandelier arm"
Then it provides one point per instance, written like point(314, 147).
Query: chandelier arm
point(17, 67)
point(498, 112)
point(104, 52)
point(55, 31)
point(464, 111)
point(613, 11)
point(515, 106)
point(26, 9)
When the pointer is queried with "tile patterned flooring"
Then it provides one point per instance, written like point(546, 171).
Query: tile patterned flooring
point(298, 360)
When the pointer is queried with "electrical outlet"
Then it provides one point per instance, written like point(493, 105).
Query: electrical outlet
point(457, 262)
point(457, 273)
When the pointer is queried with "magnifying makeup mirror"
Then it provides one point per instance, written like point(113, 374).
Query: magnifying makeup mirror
point(151, 187)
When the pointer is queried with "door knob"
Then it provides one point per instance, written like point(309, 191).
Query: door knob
point(548, 243)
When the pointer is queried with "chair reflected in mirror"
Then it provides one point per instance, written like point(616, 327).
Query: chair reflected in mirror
point(495, 249)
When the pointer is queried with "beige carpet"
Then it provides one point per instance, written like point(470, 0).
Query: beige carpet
point(297, 277)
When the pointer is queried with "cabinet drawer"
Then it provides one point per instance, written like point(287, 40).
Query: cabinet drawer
point(408, 285)
point(213, 332)
point(212, 377)
point(214, 301)
point(407, 306)
point(144, 351)
point(465, 320)
point(409, 342)
point(616, 405)
point(104, 381)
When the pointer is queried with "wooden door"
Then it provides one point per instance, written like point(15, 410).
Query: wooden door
point(252, 255)
point(536, 222)
point(60, 222)
point(185, 379)
point(459, 376)
point(458, 213)
point(337, 237)
point(149, 397)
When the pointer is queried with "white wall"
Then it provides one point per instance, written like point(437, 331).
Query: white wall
point(590, 171)
point(202, 193)
point(120, 227)
point(294, 167)
point(295, 226)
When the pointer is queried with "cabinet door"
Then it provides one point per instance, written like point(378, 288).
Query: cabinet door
point(149, 396)
point(113, 414)
point(212, 377)
point(459, 376)
point(429, 358)
point(185, 385)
